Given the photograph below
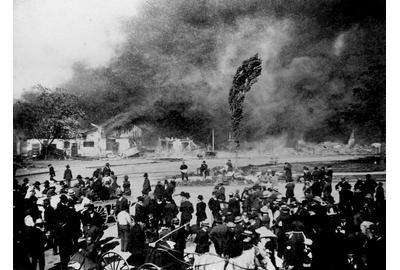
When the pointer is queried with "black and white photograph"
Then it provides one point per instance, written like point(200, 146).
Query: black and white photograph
point(199, 135)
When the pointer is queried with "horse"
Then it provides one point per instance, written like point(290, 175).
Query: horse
point(246, 261)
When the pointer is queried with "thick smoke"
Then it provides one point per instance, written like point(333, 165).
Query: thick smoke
point(323, 69)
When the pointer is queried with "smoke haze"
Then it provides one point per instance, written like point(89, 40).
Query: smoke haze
point(323, 66)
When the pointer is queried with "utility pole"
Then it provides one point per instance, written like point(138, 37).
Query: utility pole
point(212, 134)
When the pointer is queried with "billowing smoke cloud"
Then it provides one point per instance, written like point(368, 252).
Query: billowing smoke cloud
point(323, 69)
point(51, 35)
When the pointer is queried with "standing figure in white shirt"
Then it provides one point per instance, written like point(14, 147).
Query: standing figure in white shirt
point(124, 223)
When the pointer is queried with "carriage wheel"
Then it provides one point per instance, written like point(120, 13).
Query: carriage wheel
point(149, 266)
point(103, 212)
point(113, 261)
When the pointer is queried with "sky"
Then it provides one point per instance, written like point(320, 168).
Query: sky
point(51, 35)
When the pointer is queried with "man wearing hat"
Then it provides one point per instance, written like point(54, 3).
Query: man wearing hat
point(126, 185)
point(202, 239)
point(204, 169)
point(140, 210)
point(35, 241)
point(68, 175)
point(136, 244)
point(123, 223)
point(170, 211)
point(121, 202)
point(146, 184)
point(233, 245)
point(215, 207)
point(107, 170)
point(217, 235)
point(200, 210)
point(184, 171)
point(52, 173)
point(267, 245)
point(186, 208)
point(234, 205)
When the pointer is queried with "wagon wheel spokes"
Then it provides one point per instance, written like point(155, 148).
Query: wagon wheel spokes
point(113, 261)
point(103, 213)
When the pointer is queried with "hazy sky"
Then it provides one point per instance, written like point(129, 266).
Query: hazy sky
point(50, 35)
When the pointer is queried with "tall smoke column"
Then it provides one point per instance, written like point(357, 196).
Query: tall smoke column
point(245, 77)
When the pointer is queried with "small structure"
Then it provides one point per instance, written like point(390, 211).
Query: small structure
point(93, 142)
point(176, 145)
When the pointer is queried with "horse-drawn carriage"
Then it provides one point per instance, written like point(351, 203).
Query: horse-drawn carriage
point(155, 258)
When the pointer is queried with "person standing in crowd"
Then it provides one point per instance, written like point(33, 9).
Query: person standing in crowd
point(288, 171)
point(68, 176)
point(52, 173)
point(146, 184)
point(107, 170)
point(126, 185)
point(200, 210)
point(229, 166)
point(136, 243)
point(369, 185)
point(184, 171)
point(233, 205)
point(307, 174)
point(140, 210)
point(121, 202)
point(329, 173)
point(380, 193)
point(290, 190)
point(170, 212)
point(218, 235)
point(215, 207)
point(124, 223)
point(186, 208)
point(202, 239)
point(50, 224)
point(204, 169)
point(159, 190)
point(35, 241)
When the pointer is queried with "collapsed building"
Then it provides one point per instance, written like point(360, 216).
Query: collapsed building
point(92, 142)
point(176, 145)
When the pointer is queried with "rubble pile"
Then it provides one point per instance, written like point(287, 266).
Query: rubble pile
point(334, 148)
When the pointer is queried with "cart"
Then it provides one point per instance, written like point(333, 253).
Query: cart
point(113, 261)
point(106, 209)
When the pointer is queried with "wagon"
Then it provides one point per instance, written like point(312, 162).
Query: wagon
point(106, 209)
point(112, 260)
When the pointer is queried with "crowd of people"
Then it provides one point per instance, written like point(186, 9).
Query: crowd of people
point(312, 231)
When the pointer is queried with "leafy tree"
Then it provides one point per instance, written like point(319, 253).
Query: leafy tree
point(47, 115)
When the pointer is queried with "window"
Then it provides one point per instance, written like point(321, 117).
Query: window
point(66, 144)
point(88, 144)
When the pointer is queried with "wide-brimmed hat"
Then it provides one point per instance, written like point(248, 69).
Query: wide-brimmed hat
point(71, 192)
point(264, 209)
point(238, 219)
point(265, 194)
point(230, 224)
point(264, 232)
point(185, 194)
